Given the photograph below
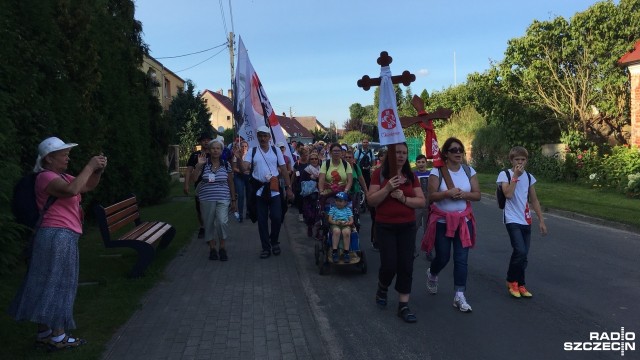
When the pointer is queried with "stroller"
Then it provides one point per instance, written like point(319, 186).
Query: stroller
point(323, 237)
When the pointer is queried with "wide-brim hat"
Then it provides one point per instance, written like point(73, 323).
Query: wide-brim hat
point(52, 144)
point(47, 146)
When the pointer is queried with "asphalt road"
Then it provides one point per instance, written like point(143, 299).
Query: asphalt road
point(584, 278)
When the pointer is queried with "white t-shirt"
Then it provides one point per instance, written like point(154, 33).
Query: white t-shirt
point(460, 180)
point(265, 165)
point(516, 209)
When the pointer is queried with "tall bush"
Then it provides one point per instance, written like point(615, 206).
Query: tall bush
point(72, 69)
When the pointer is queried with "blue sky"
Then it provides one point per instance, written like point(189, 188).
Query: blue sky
point(309, 54)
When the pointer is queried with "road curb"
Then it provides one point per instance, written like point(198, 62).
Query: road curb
point(581, 217)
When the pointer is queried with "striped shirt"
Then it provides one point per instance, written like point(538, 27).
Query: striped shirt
point(214, 185)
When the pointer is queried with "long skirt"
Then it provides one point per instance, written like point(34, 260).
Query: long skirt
point(49, 288)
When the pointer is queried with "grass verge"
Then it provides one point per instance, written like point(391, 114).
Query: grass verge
point(109, 298)
point(599, 203)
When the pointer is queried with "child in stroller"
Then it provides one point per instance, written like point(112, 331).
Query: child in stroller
point(340, 218)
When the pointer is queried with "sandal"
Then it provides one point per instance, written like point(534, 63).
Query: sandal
point(275, 248)
point(66, 343)
point(406, 315)
point(265, 254)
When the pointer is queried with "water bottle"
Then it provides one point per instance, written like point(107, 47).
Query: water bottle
point(355, 240)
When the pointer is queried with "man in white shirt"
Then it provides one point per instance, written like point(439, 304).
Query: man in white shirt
point(267, 162)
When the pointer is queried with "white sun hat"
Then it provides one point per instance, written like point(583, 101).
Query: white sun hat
point(48, 146)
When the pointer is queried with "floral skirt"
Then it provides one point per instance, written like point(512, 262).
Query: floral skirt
point(49, 288)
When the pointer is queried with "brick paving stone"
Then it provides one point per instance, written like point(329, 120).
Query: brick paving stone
point(246, 308)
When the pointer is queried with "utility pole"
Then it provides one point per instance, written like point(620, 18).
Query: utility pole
point(232, 87)
point(231, 56)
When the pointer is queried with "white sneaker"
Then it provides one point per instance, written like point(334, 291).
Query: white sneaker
point(460, 302)
point(300, 218)
point(236, 215)
point(432, 283)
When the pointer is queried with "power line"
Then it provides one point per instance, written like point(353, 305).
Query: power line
point(193, 53)
point(205, 60)
point(224, 20)
point(233, 30)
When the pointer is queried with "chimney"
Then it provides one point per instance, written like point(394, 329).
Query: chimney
point(230, 94)
point(220, 92)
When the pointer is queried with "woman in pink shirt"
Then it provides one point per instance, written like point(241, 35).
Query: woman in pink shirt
point(49, 288)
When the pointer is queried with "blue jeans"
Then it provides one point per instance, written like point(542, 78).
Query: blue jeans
point(241, 183)
point(269, 210)
point(520, 236)
point(443, 246)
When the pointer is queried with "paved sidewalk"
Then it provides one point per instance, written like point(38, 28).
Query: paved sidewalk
point(245, 308)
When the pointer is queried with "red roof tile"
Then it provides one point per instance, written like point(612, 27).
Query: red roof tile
point(632, 56)
point(291, 125)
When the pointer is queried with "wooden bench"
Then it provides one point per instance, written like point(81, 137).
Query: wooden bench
point(144, 237)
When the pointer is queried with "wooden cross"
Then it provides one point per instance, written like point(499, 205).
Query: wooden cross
point(423, 116)
point(366, 83)
point(426, 122)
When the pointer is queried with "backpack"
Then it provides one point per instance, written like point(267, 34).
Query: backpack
point(365, 162)
point(328, 162)
point(23, 202)
point(500, 197)
point(253, 156)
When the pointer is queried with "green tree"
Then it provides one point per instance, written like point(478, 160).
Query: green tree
point(318, 134)
point(570, 67)
point(357, 111)
point(187, 107)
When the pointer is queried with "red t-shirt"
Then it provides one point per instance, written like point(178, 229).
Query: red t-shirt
point(391, 210)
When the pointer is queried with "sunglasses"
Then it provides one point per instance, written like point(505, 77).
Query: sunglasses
point(455, 150)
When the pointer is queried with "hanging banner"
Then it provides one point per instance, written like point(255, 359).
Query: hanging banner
point(389, 127)
point(252, 106)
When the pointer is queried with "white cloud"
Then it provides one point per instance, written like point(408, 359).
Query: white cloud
point(423, 72)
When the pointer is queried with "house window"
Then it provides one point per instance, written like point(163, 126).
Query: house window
point(206, 101)
point(228, 117)
point(153, 79)
point(167, 88)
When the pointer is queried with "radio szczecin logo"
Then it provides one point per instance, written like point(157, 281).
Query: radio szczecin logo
point(605, 341)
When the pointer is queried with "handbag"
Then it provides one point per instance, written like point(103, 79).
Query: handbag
point(308, 187)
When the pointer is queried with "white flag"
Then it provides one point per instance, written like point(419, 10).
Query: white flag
point(252, 106)
point(389, 126)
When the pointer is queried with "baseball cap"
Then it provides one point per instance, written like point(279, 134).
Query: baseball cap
point(342, 196)
point(280, 144)
point(263, 129)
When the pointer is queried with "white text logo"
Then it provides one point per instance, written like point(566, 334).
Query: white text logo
point(605, 341)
